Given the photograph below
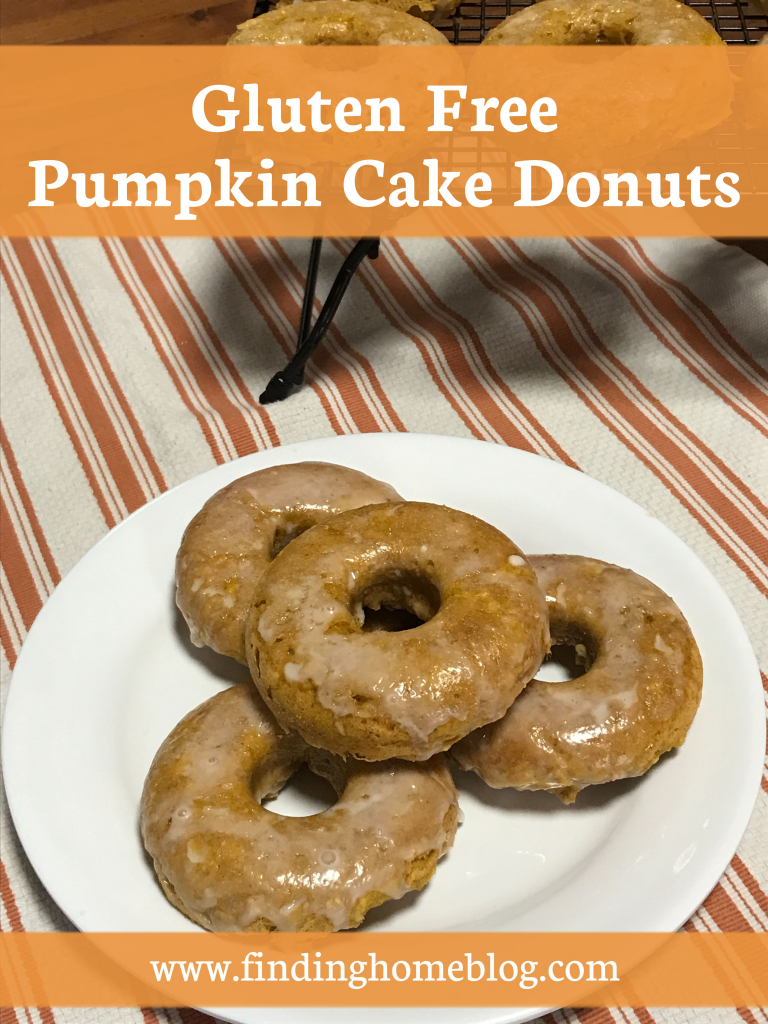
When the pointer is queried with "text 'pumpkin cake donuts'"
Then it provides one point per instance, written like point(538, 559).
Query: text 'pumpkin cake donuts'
point(234, 537)
point(230, 864)
point(636, 700)
point(412, 693)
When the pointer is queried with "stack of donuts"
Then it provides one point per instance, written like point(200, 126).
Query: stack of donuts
point(387, 641)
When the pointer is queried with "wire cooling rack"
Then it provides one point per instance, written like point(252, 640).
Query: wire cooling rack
point(737, 21)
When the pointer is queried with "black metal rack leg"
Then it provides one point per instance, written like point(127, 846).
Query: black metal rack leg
point(307, 305)
point(281, 384)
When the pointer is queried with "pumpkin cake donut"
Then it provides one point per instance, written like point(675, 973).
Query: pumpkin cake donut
point(230, 864)
point(336, 23)
point(236, 534)
point(604, 22)
point(429, 10)
point(411, 693)
point(635, 701)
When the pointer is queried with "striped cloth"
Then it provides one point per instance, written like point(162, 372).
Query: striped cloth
point(129, 366)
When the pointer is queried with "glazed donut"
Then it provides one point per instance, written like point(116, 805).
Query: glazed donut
point(605, 22)
point(237, 533)
point(406, 694)
point(336, 23)
point(231, 865)
point(429, 10)
point(635, 701)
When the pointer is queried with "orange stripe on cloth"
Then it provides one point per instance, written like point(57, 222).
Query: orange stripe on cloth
point(257, 430)
point(724, 912)
point(530, 431)
point(566, 339)
point(185, 363)
point(454, 356)
point(346, 386)
point(721, 337)
point(436, 361)
point(90, 430)
point(746, 876)
point(336, 348)
point(597, 1016)
point(9, 901)
point(101, 373)
point(83, 369)
point(692, 450)
point(666, 317)
point(242, 256)
point(197, 345)
point(29, 572)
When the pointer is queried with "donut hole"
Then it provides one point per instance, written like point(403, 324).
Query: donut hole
point(388, 620)
point(283, 537)
point(566, 661)
point(303, 795)
point(603, 34)
point(396, 602)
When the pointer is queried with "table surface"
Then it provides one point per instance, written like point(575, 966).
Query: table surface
point(130, 366)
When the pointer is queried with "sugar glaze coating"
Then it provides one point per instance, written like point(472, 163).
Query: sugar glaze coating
point(429, 10)
point(605, 22)
point(408, 694)
point(232, 865)
point(233, 538)
point(336, 23)
point(636, 700)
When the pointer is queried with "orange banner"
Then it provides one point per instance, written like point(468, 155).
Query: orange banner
point(404, 969)
point(307, 141)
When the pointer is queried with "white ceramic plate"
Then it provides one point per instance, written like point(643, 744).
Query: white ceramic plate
point(108, 670)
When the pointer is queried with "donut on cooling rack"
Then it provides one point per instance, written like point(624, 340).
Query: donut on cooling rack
point(237, 533)
point(481, 632)
point(230, 864)
point(635, 701)
point(605, 22)
point(336, 23)
point(429, 10)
